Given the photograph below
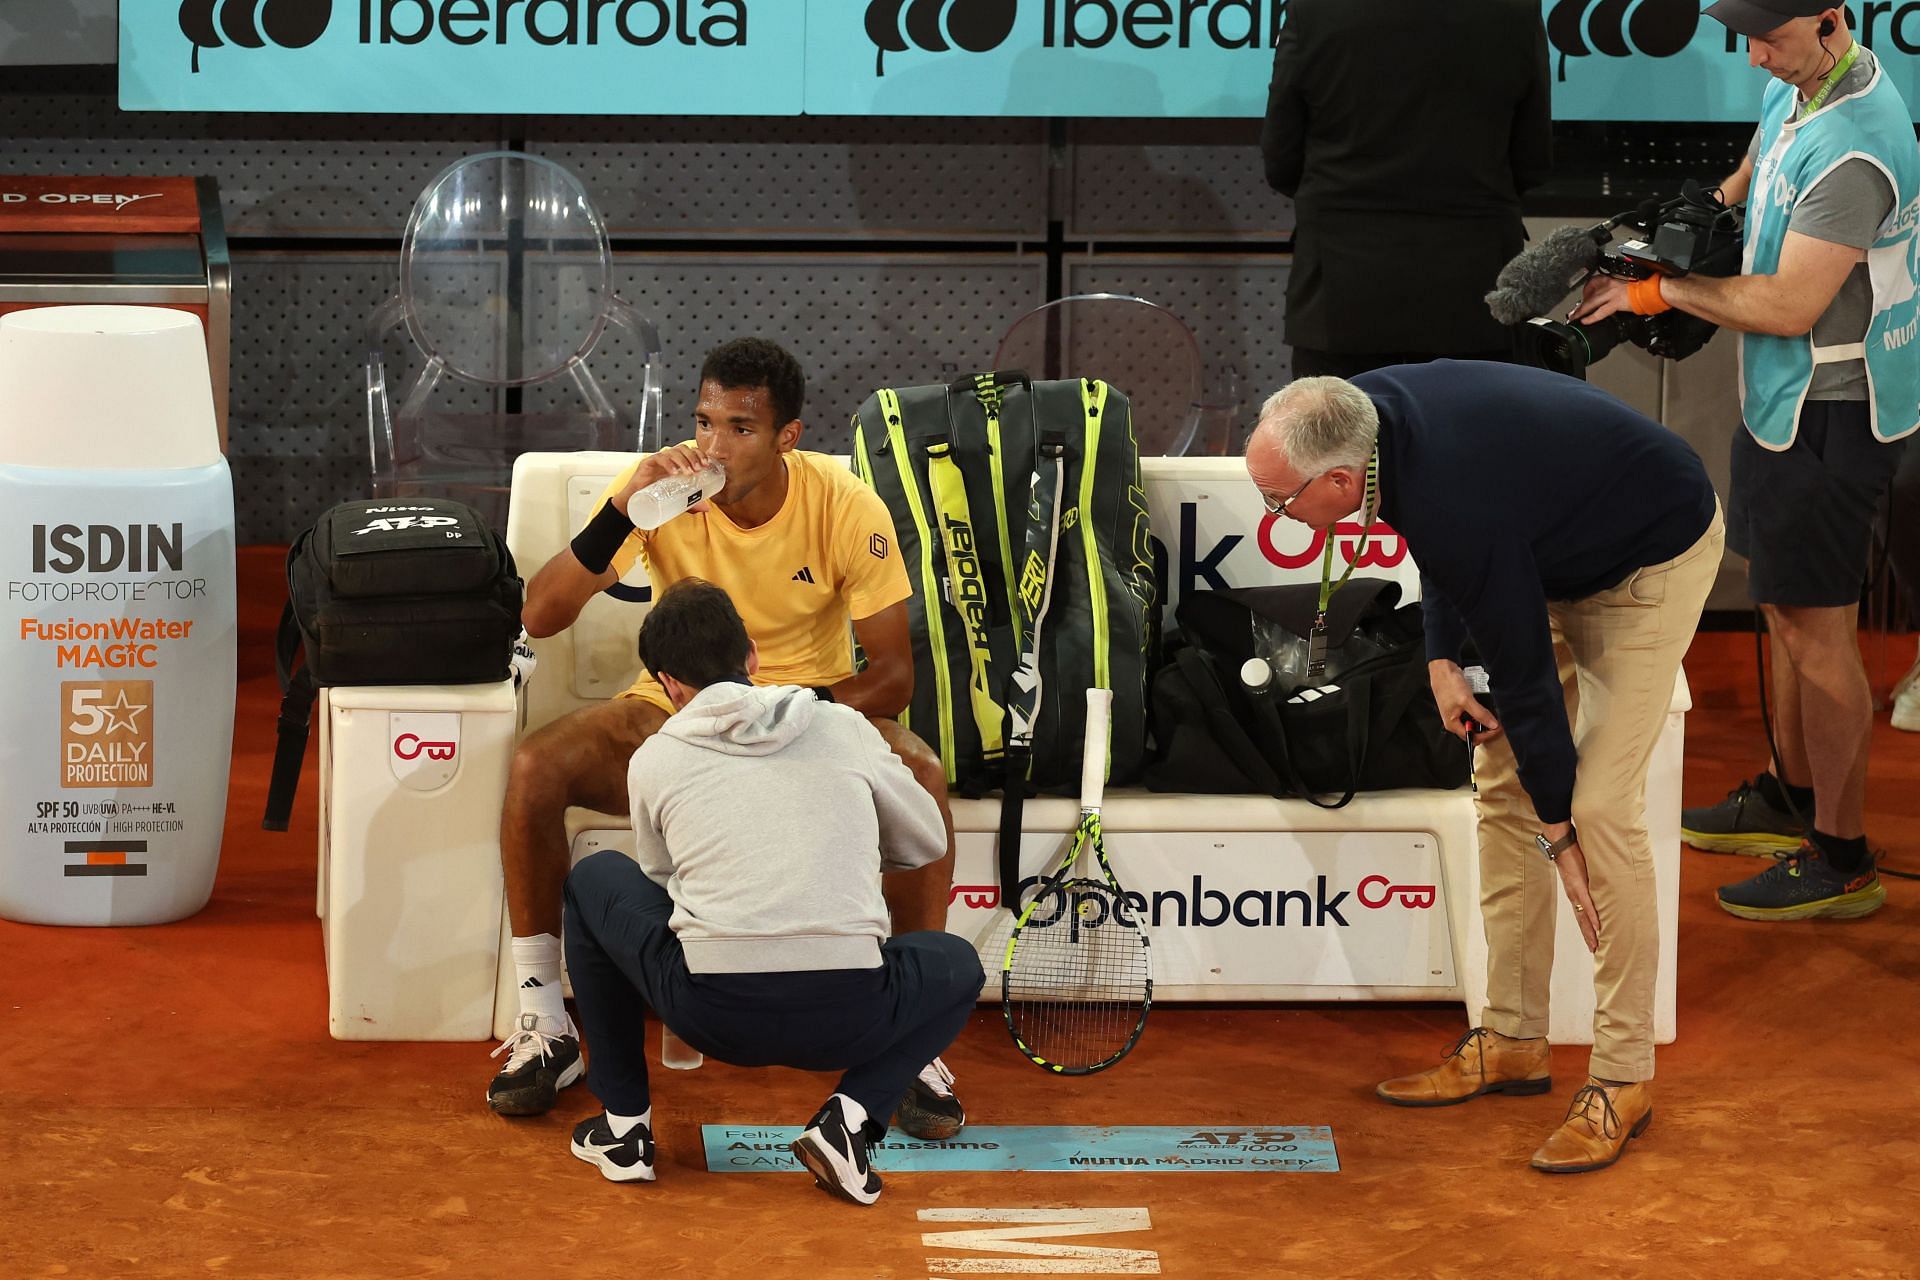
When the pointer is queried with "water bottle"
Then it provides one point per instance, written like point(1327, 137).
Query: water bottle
point(669, 496)
point(677, 1053)
point(1285, 653)
point(117, 631)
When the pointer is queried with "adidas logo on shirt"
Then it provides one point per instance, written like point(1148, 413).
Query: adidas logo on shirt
point(805, 575)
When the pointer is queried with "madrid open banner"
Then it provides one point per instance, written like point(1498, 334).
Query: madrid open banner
point(1610, 59)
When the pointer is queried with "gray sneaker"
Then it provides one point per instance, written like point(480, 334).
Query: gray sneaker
point(1745, 822)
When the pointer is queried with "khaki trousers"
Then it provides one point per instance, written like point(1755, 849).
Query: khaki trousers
point(1618, 653)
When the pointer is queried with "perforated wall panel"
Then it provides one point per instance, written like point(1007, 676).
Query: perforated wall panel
point(279, 175)
point(297, 435)
point(46, 32)
point(974, 179)
point(1164, 179)
point(1235, 307)
point(854, 323)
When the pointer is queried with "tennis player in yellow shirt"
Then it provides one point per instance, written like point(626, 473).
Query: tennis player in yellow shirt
point(808, 555)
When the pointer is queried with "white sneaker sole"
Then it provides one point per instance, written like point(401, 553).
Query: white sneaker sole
point(608, 1169)
point(834, 1173)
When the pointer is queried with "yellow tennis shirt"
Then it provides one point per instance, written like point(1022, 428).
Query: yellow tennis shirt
point(828, 557)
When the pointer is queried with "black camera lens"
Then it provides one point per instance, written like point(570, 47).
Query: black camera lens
point(1570, 348)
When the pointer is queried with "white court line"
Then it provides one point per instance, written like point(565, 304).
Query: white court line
point(1036, 1258)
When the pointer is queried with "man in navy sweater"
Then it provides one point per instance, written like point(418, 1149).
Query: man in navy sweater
point(1574, 542)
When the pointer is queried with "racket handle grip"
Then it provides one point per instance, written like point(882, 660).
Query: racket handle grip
point(1093, 751)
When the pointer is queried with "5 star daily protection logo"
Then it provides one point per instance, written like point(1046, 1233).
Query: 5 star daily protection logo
point(106, 733)
point(976, 26)
point(253, 24)
point(1621, 28)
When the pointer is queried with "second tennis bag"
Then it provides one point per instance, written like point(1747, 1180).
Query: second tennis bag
point(1368, 724)
point(1024, 530)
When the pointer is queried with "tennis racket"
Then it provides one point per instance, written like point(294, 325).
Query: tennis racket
point(1078, 977)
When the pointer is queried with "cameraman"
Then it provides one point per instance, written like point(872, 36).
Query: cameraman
point(1829, 384)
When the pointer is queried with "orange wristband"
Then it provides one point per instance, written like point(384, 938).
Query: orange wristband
point(1643, 297)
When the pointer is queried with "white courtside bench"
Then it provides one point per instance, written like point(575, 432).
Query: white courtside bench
point(1248, 897)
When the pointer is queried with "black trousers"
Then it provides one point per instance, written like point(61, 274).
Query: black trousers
point(878, 1027)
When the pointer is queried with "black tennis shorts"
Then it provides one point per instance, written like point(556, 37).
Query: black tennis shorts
point(1803, 517)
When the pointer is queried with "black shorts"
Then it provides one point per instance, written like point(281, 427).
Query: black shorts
point(1803, 517)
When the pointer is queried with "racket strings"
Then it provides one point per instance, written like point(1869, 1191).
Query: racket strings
point(1080, 978)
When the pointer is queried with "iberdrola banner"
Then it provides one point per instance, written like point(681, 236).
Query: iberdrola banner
point(1610, 59)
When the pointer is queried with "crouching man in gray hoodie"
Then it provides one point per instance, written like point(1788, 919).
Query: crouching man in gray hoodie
point(753, 923)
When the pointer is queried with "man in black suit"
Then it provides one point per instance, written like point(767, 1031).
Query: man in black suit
point(1405, 131)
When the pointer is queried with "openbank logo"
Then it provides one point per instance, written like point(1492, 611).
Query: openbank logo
point(1621, 28)
point(295, 24)
point(1200, 905)
point(978, 26)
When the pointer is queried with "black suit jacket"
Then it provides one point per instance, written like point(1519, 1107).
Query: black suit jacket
point(1405, 131)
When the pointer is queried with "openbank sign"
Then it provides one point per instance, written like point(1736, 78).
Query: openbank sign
point(1611, 59)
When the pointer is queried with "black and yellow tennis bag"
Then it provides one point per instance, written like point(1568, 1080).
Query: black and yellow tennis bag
point(1023, 526)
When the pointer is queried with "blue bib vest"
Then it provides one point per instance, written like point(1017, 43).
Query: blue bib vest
point(1775, 372)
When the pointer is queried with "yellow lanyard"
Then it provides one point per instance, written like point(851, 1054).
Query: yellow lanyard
point(1834, 77)
point(1317, 639)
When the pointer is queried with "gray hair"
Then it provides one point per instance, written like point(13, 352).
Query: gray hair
point(1321, 423)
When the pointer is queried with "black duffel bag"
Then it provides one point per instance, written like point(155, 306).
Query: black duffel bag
point(1368, 724)
point(388, 591)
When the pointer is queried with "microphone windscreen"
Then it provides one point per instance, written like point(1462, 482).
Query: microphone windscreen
point(1540, 275)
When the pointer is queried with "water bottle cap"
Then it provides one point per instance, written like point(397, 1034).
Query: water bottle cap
point(106, 387)
point(1256, 673)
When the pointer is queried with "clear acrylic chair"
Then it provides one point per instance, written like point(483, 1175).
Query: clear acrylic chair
point(506, 281)
point(1140, 347)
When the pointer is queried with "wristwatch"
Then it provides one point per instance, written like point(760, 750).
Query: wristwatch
point(1554, 848)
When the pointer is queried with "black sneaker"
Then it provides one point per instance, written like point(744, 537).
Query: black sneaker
point(1804, 885)
point(930, 1111)
point(628, 1159)
point(837, 1156)
point(538, 1067)
point(1745, 822)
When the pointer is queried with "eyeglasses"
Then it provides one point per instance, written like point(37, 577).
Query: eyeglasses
point(1279, 508)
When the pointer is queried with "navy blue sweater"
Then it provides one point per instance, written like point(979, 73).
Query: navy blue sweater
point(1514, 486)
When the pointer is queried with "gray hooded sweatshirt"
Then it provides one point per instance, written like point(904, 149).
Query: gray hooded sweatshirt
point(767, 815)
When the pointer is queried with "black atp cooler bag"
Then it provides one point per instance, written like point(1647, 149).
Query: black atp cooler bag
point(388, 591)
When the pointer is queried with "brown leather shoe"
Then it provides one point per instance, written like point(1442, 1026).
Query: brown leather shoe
point(1482, 1061)
point(1597, 1129)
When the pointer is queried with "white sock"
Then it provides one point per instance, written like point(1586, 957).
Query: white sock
point(537, 962)
point(855, 1113)
point(623, 1125)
